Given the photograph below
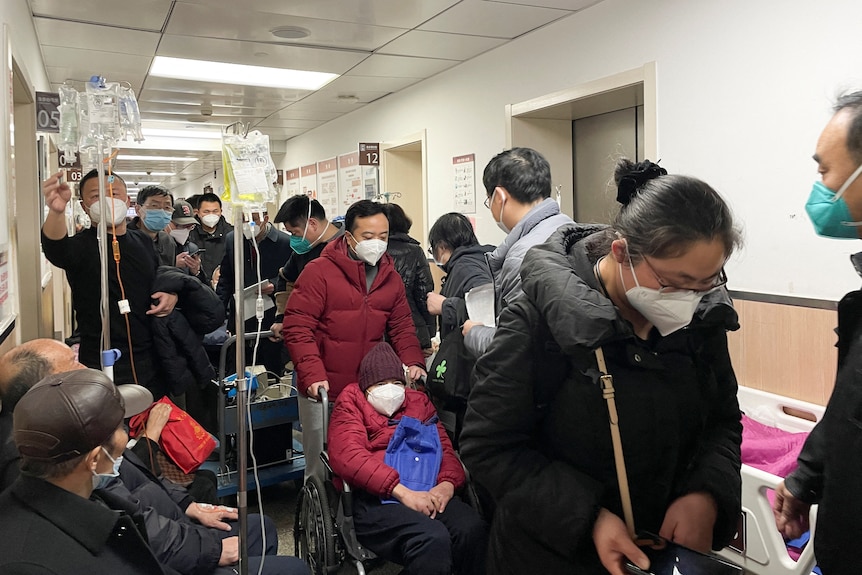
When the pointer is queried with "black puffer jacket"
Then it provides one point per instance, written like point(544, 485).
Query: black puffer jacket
point(546, 456)
point(412, 265)
point(178, 337)
point(466, 269)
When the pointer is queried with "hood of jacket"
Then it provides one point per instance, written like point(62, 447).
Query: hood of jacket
point(545, 209)
point(475, 253)
point(557, 277)
point(400, 237)
point(338, 253)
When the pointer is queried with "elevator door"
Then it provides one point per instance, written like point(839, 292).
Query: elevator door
point(598, 142)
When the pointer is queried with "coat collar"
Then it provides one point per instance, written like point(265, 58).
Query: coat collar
point(88, 521)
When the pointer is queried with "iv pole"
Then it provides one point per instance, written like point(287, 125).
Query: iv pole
point(102, 235)
point(241, 382)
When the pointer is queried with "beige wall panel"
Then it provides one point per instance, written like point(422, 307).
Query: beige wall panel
point(784, 349)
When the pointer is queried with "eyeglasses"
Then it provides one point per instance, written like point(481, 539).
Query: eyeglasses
point(487, 201)
point(430, 250)
point(708, 285)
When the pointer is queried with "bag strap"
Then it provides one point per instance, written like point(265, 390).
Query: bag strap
point(608, 393)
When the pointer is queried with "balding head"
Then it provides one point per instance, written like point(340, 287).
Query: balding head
point(25, 365)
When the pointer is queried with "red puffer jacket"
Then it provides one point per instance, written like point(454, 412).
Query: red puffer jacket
point(331, 320)
point(359, 435)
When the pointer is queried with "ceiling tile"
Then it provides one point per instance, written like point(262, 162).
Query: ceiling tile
point(347, 84)
point(394, 13)
point(573, 5)
point(493, 19)
point(318, 115)
point(94, 37)
point(139, 15)
point(282, 123)
point(238, 23)
point(440, 45)
point(331, 105)
point(209, 121)
point(259, 54)
point(401, 66)
point(76, 64)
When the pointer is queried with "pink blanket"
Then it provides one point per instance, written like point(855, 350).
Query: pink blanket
point(770, 449)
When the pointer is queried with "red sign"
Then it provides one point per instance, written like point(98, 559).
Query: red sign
point(369, 153)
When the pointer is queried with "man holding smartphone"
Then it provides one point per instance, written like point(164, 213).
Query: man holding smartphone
point(266, 250)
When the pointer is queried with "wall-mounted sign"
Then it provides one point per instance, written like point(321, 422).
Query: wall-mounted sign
point(73, 169)
point(369, 153)
point(465, 183)
point(48, 112)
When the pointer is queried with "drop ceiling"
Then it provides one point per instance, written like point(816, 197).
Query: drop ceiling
point(378, 47)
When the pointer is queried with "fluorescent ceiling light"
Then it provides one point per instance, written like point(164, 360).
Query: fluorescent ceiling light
point(165, 133)
point(156, 158)
point(146, 173)
point(140, 185)
point(224, 73)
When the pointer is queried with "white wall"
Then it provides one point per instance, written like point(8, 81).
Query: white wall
point(744, 88)
point(25, 47)
point(196, 186)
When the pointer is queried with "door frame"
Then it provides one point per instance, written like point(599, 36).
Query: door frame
point(545, 122)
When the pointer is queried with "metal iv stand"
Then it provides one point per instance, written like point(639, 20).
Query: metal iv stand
point(102, 235)
point(241, 389)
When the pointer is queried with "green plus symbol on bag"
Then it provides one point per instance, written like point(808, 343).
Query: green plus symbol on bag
point(441, 369)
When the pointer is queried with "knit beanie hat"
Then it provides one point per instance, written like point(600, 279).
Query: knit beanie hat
point(380, 364)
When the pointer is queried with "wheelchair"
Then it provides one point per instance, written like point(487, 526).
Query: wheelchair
point(324, 536)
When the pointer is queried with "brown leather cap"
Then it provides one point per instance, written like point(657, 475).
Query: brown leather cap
point(66, 415)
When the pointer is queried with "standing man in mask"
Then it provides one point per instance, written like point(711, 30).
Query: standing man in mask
point(518, 184)
point(154, 208)
point(211, 234)
point(271, 247)
point(134, 279)
point(830, 463)
point(310, 231)
point(343, 304)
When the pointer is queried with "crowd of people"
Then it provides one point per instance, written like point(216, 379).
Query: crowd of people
point(640, 302)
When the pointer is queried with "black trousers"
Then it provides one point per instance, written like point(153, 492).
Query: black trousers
point(455, 541)
point(272, 564)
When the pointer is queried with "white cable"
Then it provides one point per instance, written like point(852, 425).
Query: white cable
point(259, 315)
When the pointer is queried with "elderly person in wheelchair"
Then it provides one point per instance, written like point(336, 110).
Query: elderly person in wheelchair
point(386, 443)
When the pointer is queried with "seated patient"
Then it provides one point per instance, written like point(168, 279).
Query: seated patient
point(404, 515)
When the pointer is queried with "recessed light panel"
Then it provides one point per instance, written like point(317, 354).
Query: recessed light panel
point(224, 73)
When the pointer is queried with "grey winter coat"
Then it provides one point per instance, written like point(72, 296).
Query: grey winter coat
point(505, 263)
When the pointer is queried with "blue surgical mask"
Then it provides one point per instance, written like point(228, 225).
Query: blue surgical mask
point(828, 211)
point(101, 480)
point(300, 245)
point(156, 220)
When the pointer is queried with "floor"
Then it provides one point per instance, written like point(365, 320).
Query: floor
point(279, 503)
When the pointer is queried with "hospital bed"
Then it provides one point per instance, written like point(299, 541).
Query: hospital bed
point(758, 547)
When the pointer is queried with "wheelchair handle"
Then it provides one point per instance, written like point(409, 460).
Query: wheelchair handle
point(324, 403)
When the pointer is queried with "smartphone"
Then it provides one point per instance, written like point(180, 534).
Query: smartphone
point(668, 558)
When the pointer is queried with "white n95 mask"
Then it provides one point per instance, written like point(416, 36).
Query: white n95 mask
point(211, 220)
point(370, 251)
point(667, 311)
point(387, 398)
point(119, 211)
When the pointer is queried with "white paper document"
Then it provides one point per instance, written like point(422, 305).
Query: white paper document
point(480, 304)
point(249, 303)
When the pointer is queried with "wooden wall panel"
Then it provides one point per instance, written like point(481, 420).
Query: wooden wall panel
point(785, 349)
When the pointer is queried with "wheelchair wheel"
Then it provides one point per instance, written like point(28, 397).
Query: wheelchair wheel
point(315, 532)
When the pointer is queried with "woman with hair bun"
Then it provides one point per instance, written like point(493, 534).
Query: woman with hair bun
point(648, 291)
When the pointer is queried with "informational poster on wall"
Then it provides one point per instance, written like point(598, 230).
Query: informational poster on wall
point(370, 182)
point(291, 182)
point(327, 185)
point(350, 188)
point(465, 183)
point(308, 180)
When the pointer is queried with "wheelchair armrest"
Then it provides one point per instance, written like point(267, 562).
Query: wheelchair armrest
point(346, 499)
